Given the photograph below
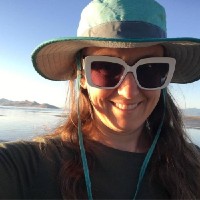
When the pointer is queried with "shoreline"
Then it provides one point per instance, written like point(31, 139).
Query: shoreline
point(192, 122)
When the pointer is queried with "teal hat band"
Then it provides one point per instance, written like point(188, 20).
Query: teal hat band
point(123, 19)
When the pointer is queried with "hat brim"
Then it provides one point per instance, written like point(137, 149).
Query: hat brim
point(55, 59)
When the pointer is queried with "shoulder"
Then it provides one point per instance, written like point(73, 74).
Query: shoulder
point(18, 151)
point(34, 149)
point(32, 168)
point(30, 153)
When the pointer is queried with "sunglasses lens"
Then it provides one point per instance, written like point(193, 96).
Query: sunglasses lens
point(152, 75)
point(106, 74)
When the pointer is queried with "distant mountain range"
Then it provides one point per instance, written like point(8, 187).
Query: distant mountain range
point(6, 102)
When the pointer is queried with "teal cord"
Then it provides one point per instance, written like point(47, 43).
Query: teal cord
point(80, 135)
point(82, 149)
point(150, 151)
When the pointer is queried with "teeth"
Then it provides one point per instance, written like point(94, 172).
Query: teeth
point(126, 107)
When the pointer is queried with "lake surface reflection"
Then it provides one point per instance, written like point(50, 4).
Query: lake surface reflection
point(25, 123)
point(18, 123)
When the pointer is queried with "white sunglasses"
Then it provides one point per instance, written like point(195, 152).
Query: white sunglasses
point(107, 72)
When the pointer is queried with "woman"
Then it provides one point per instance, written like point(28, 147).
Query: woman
point(124, 136)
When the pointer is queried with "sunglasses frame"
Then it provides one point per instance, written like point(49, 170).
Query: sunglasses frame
point(127, 68)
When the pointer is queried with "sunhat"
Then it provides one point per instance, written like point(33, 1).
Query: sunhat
point(118, 24)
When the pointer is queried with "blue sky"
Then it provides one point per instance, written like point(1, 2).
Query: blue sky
point(27, 23)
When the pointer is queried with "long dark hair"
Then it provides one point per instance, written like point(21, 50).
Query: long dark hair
point(175, 161)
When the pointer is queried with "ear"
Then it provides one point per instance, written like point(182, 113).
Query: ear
point(83, 82)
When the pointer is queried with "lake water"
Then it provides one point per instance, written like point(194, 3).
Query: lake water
point(18, 123)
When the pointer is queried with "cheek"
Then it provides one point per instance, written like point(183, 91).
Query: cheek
point(97, 96)
point(152, 97)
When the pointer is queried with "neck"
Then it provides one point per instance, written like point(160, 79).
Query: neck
point(132, 141)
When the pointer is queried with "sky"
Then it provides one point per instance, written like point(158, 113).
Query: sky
point(24, 24)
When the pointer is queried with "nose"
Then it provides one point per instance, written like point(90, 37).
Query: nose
point(128, 88)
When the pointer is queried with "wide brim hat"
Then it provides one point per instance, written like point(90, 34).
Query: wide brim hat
point(118, 24)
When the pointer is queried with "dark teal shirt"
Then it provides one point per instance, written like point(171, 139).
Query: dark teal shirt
point(26, 172)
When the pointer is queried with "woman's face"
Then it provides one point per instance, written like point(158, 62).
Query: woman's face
point(125, 108)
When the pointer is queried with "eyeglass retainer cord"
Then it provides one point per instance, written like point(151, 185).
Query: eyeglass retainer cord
point(81, 145)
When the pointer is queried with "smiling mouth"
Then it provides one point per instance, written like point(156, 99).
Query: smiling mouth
point(126, 106)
